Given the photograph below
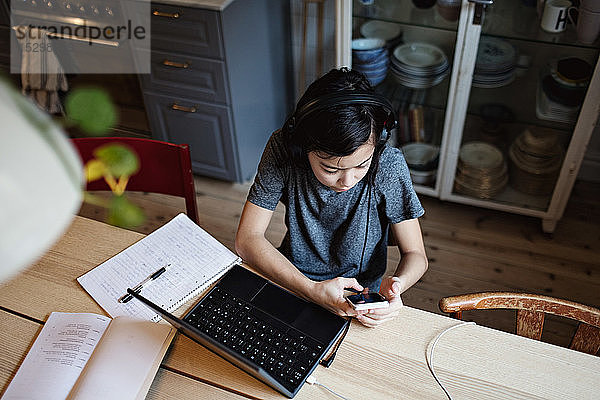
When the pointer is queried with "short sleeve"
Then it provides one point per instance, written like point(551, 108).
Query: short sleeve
point(269, 182)
point(395, 186)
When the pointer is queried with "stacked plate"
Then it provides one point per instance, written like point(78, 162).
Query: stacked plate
point(562, 91)
point(419, 65)
point(548, 109)
point(535, 161)
point(370, 56)
point(495, 63)
point(481, 170)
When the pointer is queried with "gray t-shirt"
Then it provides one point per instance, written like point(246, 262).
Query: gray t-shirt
point(327, 230)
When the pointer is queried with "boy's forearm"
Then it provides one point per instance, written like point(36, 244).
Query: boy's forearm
point(411, 268)
point(262, 255)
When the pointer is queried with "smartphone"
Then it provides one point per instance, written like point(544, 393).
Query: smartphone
point(367, 301)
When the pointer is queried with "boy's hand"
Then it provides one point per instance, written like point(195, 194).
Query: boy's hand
point(330, 294)
point(391, 288)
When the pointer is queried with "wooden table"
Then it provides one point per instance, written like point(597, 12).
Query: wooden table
point(387, 362)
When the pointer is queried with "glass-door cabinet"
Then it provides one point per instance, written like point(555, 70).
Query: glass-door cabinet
point(495, 101)
point(419, 46)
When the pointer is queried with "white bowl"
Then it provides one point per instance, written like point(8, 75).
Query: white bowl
point(423, 177)
point(380, 30)
point(421, 156)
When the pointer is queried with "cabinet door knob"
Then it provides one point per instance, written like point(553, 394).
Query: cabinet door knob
point(178, 107)
point(174, 15)
point(174, 64)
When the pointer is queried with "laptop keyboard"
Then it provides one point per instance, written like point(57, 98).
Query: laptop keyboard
point(282, 351)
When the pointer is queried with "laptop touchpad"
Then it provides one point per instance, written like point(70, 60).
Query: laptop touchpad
point(279, 303)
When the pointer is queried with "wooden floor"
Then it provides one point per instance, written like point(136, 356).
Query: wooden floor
point(469, 249)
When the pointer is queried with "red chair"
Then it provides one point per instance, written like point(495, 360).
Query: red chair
point(165, 168)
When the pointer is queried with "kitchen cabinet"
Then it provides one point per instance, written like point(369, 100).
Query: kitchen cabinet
point(509, 138)
point(218, 80)
point(5, 38)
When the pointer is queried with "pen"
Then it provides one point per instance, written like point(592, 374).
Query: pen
point(138, 288)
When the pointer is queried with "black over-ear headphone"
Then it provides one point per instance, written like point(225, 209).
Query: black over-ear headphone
point(346, 97)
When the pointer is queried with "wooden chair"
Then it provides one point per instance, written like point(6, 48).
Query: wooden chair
point(165, 168)
point(531, 309)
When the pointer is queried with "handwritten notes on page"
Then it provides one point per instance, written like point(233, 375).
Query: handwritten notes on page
point(57, 357)
point(196, 260)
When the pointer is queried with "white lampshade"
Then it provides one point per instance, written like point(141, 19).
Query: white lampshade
point(41, 177)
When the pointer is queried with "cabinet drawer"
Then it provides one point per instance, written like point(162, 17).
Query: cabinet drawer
point(186, 30)
point(205, 127)
point(200, 78)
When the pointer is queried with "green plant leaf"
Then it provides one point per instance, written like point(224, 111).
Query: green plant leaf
point(125, 214)
point(94, 169)
point(92, 109)
point(120, 160)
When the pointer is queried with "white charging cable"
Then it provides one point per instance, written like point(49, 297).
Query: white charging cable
point(311, 380)
point(431, 348)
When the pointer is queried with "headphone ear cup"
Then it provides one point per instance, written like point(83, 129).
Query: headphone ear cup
point(293, 147)
point(388, 125)
point(385, 135)
point(290, 124)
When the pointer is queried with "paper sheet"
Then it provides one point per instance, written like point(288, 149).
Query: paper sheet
point(57, 357)
point(124, 359)
point(197, 259)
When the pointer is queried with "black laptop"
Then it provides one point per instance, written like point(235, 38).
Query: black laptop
point(263, 329)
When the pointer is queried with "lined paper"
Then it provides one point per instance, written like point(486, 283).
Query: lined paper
point(197, 260)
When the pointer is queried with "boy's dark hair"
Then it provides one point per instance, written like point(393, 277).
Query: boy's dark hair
point(335, 130)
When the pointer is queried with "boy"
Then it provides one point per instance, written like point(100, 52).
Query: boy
point(344, 189)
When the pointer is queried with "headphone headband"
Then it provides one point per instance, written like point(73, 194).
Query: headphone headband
point(347, 97)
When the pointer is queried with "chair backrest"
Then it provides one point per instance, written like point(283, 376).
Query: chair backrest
point(531, 309)
point(165, 168)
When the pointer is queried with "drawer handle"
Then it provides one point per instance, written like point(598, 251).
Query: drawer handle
point(174, 64)
point(177, 107)
point(174, 15)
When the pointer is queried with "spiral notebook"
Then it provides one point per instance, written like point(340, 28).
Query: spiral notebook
point(195, 259)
